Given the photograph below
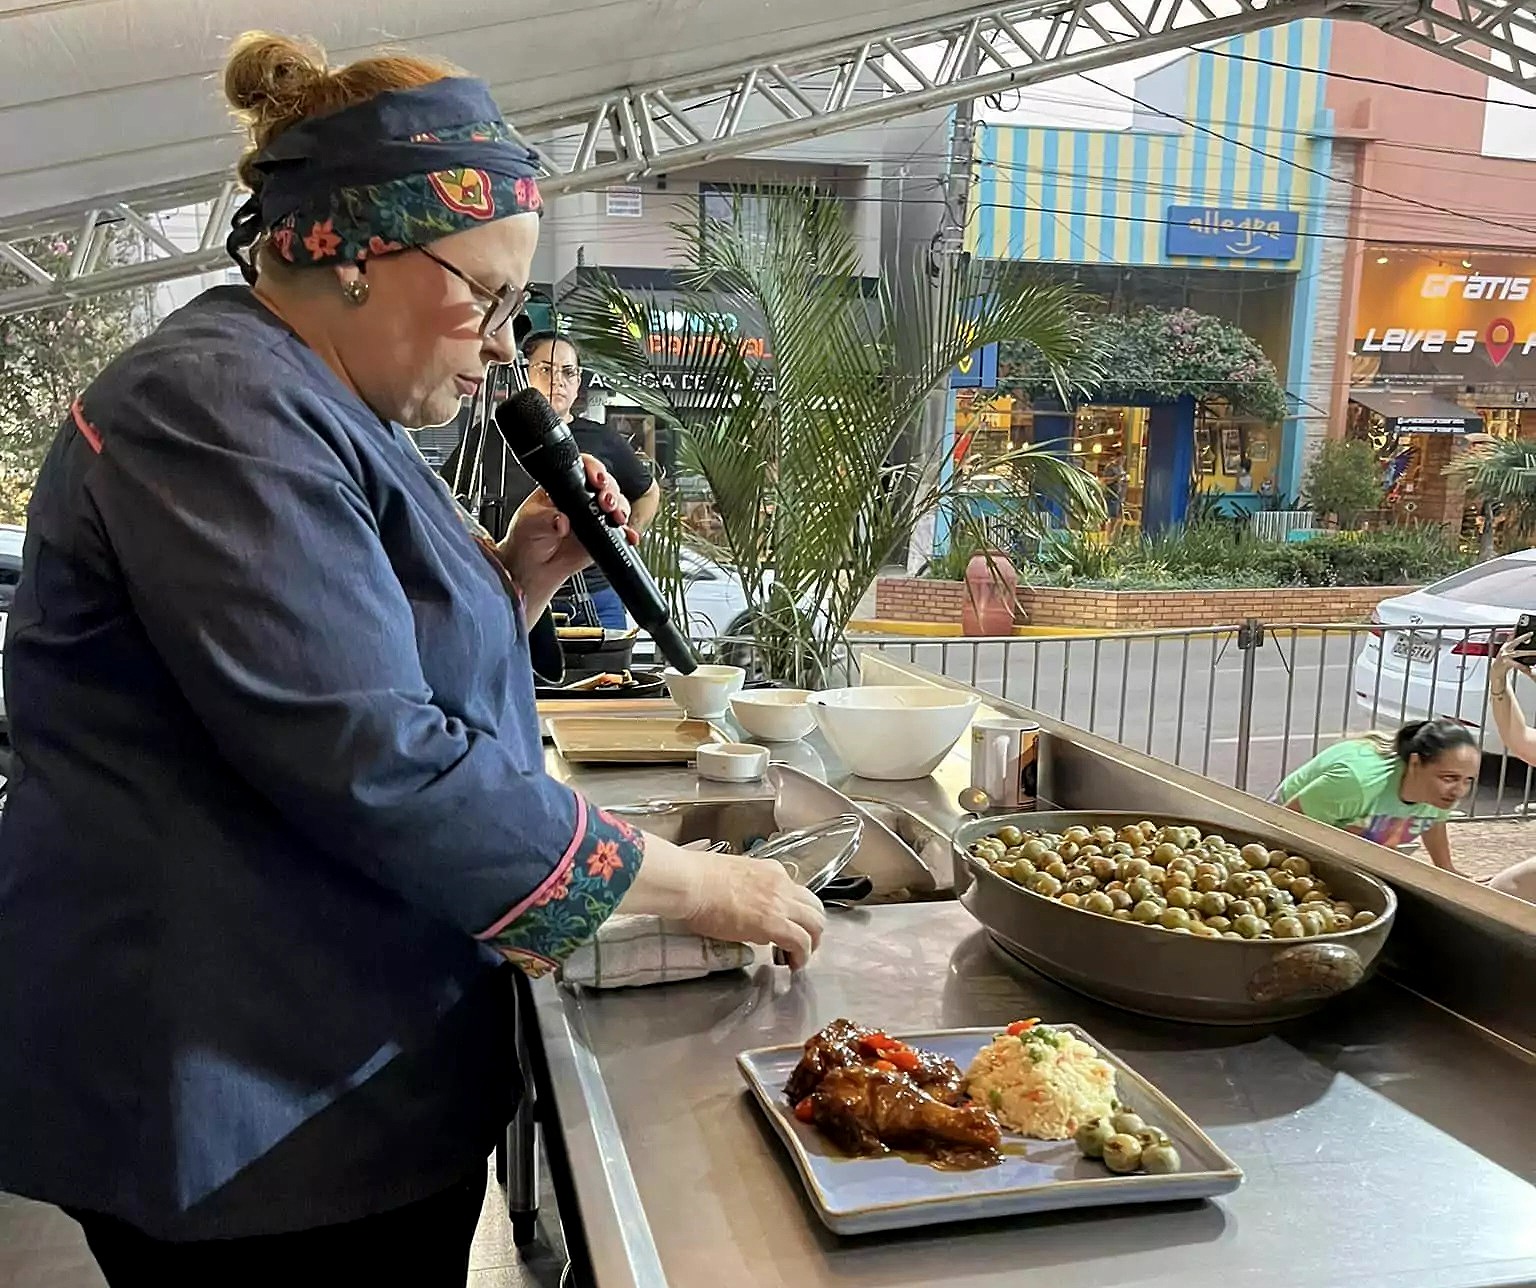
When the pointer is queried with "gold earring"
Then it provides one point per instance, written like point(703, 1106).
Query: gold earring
point(356, 291)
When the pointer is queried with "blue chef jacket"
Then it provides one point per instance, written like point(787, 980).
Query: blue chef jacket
point(281, 814)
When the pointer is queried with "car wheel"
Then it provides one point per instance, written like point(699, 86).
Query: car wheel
point(735, 648)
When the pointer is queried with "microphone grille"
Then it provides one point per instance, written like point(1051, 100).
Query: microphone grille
point(533, 430)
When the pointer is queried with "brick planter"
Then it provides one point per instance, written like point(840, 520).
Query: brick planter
point(911, 599)
point(918, 599)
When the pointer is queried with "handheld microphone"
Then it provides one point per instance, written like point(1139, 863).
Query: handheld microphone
point(545, 448)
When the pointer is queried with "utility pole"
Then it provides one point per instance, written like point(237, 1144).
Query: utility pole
point(948, 247)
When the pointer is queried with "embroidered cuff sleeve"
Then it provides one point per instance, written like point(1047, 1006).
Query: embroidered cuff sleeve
point(581, 893)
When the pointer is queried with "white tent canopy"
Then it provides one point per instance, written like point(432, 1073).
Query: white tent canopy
point(102, 98)
point(110, 110)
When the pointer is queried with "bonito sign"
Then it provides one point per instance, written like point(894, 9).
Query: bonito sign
point(1461, 318)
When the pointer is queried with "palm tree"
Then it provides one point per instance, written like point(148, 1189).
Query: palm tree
point(1500, 475)
point(799, 446)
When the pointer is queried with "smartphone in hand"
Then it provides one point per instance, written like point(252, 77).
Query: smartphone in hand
point(1523, 641)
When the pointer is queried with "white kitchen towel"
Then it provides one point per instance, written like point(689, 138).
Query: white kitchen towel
point(632, 951)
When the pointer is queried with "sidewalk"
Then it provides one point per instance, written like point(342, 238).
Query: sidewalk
point(1486, 847)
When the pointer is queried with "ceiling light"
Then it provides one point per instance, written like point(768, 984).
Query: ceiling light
point(1381, 259)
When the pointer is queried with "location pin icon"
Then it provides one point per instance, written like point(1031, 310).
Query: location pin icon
point(1501, 339)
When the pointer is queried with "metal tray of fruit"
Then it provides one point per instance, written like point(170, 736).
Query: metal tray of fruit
point(1300, 927)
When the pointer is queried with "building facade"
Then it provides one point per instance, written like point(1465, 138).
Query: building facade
point(884, 179)
point(1217, 198)
point(1438, 340)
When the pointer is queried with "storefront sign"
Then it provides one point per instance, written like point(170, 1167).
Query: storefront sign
point(1214, 232)
point(682, 382)
point(1461, 319)
point(682, 335)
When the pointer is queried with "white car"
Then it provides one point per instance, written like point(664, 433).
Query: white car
point(713, 597)
point(716, 604)
point(1429, 653)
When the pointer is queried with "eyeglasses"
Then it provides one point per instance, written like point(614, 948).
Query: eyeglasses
point(505, 304)
point(548, 371)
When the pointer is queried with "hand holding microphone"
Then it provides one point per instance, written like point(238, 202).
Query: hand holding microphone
point(540, 541)
point(546, 449)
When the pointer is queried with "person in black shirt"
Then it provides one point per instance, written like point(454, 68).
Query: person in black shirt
point(554, 369)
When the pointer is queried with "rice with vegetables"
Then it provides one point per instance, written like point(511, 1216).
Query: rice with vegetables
point(1041, 1081)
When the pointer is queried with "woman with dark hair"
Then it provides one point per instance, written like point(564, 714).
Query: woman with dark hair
point(554, 369)
point(281, 818)
point(1392, 789)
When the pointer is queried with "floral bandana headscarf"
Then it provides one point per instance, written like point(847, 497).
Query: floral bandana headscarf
point(402, 169)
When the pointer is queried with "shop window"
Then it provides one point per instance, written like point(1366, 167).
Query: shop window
point(1234, 453)
point(1503, 422)
point(1111, 444)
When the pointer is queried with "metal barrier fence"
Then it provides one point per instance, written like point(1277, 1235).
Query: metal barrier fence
point(1277, 525)
point(1247, 703)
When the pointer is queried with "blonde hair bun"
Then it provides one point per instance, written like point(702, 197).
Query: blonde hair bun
point(273, 82)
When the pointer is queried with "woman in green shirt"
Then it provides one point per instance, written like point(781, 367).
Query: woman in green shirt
point(1391, 789)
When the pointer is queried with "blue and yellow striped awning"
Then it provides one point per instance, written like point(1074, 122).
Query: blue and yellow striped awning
point(1102, 196)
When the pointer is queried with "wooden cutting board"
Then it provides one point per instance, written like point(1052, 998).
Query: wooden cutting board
point(632, 740)
point(552, 707)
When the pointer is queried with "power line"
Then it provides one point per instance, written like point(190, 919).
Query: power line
point(1306, 169)
point(1360, 80)
point(1154, 186)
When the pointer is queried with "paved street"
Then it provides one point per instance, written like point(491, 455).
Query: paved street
point(1302, 699)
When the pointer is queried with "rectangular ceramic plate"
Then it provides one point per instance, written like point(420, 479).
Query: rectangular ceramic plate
point(860, 1195)
point(629, 740)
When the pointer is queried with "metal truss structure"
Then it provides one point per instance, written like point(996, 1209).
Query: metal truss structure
point(733, 111)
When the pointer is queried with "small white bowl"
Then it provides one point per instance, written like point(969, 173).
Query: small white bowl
point(732, 762)
point(774, 715)
point(892, 733)
point(706, 693)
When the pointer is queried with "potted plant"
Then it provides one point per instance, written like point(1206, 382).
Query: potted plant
point(809, 434)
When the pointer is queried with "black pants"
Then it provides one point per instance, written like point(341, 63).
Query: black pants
point(423, 1245)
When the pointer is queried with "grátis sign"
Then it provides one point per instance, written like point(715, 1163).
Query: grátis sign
point(1462, 319)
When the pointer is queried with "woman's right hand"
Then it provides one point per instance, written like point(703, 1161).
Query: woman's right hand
point(755, 901)
point(725, 896)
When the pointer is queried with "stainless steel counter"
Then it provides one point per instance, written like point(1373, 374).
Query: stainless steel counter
point(1386, 1141)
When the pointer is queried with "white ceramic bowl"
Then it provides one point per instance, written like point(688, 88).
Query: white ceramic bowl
point(706, 692)
point(891, 733)
point(774, 715)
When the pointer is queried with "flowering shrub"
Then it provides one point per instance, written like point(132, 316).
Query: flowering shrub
point(1160, 356)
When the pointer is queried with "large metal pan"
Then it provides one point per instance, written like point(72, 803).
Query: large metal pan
point(1176, 977)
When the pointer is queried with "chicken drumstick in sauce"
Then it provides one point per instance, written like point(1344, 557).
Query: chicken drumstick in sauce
point(868, 1093)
